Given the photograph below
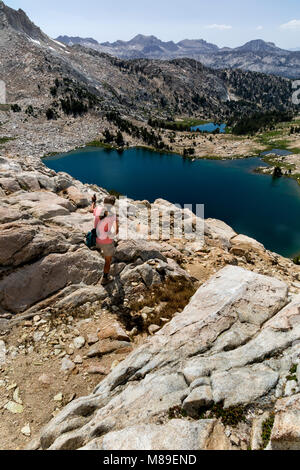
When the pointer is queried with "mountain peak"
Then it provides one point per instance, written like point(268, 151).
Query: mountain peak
point(142, 39)
point(19, 21)
point(258, 45)
point(71, 40)
point(198, 44)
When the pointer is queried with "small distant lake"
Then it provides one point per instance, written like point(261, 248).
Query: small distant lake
point(253, 204)
point(210, 127)
point(279, 152)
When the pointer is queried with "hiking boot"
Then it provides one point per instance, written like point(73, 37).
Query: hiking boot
point(106, 280)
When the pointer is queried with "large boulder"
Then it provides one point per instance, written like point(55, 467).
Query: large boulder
point(12, 240)
point(243, 244)
point(47, 182)
point(80, 296)
point(9, 214)
point(9, 185)
point(35, 282)
point(232, 387)
point(131, 250)
point(33, 199)
point(75, 221)
point(43, 205)
point(21, 243)
point(63, 181)
point(9, 166)
point(218, 233)
point(175, 435)
point(45, 211)
point(29, 181)
point(143, 273)
point(79, 199)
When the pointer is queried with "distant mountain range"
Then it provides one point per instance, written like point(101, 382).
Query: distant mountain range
point(51, 80)
point(256, 55)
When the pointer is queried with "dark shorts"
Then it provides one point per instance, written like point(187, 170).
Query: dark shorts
point(106, 250)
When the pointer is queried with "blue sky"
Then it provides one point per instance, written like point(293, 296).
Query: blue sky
point(225, 23)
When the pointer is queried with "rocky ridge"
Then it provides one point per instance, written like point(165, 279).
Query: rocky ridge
point(256, 55)
point(32, 63)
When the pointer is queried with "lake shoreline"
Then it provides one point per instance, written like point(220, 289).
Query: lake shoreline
point(290, 169)
point(102, 145)
point(260, 170)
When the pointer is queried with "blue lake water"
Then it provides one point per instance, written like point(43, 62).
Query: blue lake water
point(210, 127)
point(253, 204)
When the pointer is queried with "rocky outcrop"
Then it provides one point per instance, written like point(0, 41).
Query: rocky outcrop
point(241, 327)
point(77, 197)
point(218, 231)
point(51, 274)
point(232, 345)
point(241, 245)
point(286, 430)
point(176, 435)
point(44, 222)
point(19, 21)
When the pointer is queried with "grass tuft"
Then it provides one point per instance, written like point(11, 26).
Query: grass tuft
point(267, 427)
point(171, 297)
point(177, 412)
point(231, 416)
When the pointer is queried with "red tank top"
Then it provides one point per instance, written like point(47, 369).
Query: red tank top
point(103, 227)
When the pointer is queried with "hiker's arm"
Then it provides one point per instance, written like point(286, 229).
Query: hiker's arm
point(117, 226)
point(93, 206)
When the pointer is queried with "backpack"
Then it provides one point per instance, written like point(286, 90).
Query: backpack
point(91, 239)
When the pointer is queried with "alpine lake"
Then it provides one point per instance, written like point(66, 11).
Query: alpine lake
point(260, 206)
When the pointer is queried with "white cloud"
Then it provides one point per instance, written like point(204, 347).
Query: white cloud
point(259, 28)
point(292, 25)
point(219, 26)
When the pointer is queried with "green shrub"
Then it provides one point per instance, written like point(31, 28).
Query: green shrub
point(267, 427)
point(29, 110)
point(3, 140)
point(115, 193)
point(53, 91)
point(296, 260)
point(16, 108)
point(51, 114)
point(231, 416)
point(260, 121)
point(177, 412)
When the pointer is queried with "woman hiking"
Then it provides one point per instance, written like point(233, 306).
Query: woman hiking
point(106, 222)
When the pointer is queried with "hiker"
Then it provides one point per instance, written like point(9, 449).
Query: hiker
point(105, 222)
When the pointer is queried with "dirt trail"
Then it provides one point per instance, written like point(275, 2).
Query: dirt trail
point(33, 371)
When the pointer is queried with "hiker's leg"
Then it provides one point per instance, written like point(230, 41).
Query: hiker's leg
point(108, 252)
point(108, 260)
